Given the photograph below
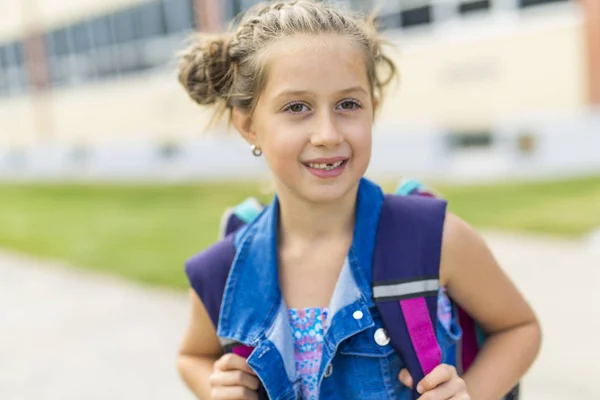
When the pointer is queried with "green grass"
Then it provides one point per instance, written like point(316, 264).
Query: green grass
point(145, 233)
point(566, 208)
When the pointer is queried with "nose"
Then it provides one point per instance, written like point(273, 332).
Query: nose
point(326, 132)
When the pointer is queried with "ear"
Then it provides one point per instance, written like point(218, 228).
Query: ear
point(376, 103)
point(242, 121)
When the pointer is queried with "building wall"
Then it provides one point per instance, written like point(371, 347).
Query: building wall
point(149, 107)
point(50, 14)
point(465, 76)
point(474, 77)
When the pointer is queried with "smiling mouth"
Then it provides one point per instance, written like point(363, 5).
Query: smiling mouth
point(326, 167)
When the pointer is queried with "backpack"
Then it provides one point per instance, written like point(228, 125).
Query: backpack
point(405, 297)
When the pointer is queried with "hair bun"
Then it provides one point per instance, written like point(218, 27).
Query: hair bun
point(206, 69)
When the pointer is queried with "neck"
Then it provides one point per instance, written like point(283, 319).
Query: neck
point(307, 222)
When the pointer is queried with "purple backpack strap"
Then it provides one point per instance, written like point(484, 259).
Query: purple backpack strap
point(406, 278)
point(207, 273)
point(231, 224)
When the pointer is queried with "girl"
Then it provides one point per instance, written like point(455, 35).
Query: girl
point(302, 81)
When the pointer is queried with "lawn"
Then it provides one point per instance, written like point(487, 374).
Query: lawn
point(145, 233)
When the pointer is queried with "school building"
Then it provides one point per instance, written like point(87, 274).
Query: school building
point(85, 73)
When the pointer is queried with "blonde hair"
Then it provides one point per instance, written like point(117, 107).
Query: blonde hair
point(226, 70)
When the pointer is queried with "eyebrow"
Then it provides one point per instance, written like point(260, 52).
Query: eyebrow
point(354, 89)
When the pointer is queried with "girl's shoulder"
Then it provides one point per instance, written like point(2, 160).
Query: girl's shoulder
point(462, 246)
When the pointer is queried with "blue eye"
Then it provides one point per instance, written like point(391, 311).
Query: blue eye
point(349, 105)
point(296, 108)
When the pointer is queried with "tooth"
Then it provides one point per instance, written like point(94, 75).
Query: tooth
point(326, 167)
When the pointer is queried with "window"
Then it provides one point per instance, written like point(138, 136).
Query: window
point(179, 15)
point(58, 50)
point(416, 16)
point(470, 140)
point(102, 34)
point(127, 34)
point(469, 7)
point(105, 46)
point(529, 3)
point(151, 20)
point(235, 7)
point(18, 54)
point(126, 27)
point(81, 38)
point(80, 68)
point(364, 6)
point(60, 42)
point(3, 72)
point(404, 14)
point(16, 78)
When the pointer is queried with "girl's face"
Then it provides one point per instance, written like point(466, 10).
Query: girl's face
point(313, 119)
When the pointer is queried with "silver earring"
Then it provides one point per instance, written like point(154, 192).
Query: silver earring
point(256, 151)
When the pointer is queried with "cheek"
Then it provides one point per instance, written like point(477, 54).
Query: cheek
point(360, 136)
point(280, 147)
point(280, 137)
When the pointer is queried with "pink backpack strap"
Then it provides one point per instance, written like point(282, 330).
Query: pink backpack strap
point(406, 278)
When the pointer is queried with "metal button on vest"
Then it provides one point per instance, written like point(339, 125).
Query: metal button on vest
point(328, 371)
point(357, 315)
point(381, 337)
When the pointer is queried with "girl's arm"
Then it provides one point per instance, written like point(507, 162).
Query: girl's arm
point(476, 282)
point(199, 350)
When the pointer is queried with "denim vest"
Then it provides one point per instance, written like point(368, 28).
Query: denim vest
point(253, 312)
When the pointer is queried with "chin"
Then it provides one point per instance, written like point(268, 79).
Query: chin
point(306, 187)
point(328, 192)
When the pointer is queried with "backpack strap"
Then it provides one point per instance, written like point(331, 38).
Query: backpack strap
point(219, 259)
point(473, 336)
point(236, 217)
point(406, 278)
point(208, 271)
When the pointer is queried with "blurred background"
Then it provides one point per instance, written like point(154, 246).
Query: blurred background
point(490, 88)
point(109, 180)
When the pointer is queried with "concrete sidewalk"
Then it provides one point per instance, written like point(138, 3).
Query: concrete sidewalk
point(69, 335)
point(559, 278)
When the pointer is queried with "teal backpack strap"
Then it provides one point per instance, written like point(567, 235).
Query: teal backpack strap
point(410, 186)
point(236, 217)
